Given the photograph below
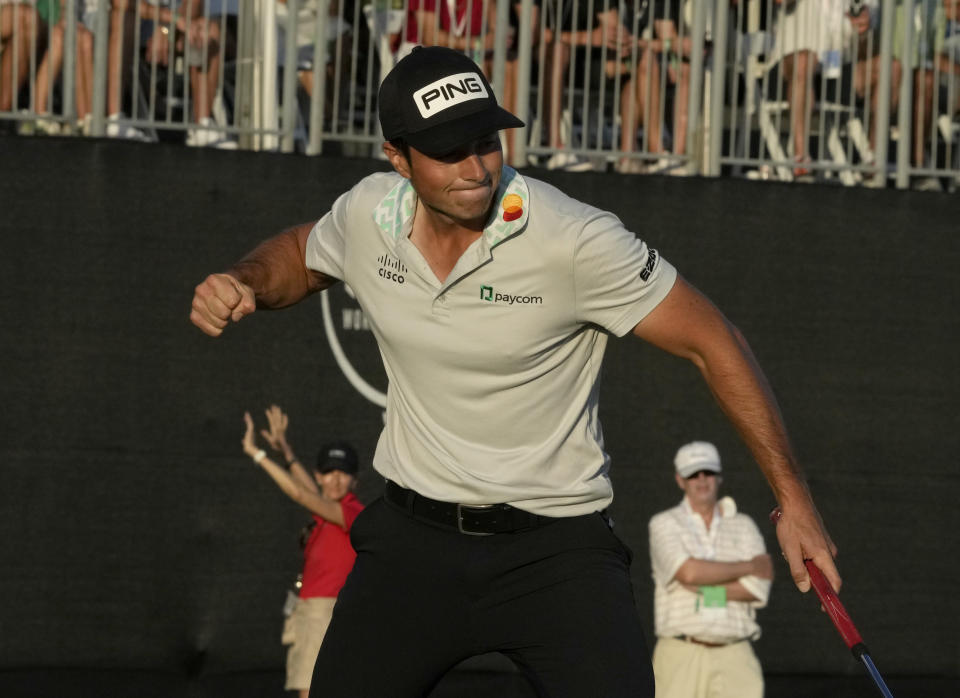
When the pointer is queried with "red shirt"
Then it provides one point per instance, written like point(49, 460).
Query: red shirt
point(459, 27)
point(328, 557)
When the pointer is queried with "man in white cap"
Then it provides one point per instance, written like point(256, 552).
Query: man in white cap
point(492, 296)
point(711, 572)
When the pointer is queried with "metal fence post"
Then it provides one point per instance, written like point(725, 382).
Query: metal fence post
point(524, 52)
point(265, 103)
point(69, 64)
point(290, 68)
point(246, 53)
point(318, 98)
point(500, 47)
point(905, 114)
point(882, 116)
point(101, 39)
point(694, 117)
point(718, 86)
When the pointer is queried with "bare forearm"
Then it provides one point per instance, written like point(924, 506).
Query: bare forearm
point(283, 478)
point(302, 476)
point(743, 393)
point(276, 270)
point(737, 592)
point(688, 325)
point(696, 572)
point(310, 499)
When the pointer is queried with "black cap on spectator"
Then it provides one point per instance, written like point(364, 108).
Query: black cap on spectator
point(437, 99)
point(338, 455)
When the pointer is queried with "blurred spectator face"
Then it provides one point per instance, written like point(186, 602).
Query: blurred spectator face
point(335, 484)
point(701, 487)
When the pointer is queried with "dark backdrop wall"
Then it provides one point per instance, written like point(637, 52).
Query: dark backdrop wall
point(136, 536)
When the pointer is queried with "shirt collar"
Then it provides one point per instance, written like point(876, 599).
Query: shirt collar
point(690, 512)
point(394, 212)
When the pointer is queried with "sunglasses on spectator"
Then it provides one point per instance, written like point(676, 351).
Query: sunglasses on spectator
point(694, 476)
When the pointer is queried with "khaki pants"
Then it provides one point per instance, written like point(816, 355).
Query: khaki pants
point(688, 670)
point(308, 625)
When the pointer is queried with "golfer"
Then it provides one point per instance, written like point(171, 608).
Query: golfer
point(492, 296)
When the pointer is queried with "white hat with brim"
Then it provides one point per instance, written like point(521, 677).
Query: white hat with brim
point(696, 456)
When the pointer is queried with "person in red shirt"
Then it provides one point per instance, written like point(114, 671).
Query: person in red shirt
point(460, 26)
point(328, 557)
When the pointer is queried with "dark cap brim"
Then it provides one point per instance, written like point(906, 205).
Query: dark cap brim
point(337, 464)
point(446, 137)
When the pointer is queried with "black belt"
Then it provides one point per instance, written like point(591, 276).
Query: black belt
point(688, 638)
point(469, 519)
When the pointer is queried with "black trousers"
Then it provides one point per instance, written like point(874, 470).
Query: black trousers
point(556, 599)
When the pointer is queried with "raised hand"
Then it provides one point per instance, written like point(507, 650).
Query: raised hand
point(249, 443)
point(276, 436)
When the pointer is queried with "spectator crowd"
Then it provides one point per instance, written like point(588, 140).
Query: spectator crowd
point(610, 80)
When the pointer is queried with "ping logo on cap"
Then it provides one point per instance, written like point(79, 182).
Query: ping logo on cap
point(448, 92)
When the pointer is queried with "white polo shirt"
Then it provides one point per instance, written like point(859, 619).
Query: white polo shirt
point(678, 534)
point(494, 373)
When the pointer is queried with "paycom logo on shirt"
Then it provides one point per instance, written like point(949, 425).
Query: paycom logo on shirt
point(488, 294)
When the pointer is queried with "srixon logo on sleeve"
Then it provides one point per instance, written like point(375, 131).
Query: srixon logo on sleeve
point(448, 92)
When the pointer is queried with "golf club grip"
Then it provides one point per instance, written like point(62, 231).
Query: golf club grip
point(831, 603)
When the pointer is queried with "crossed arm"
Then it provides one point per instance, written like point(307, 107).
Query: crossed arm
point(695, 573)
point(688, 325)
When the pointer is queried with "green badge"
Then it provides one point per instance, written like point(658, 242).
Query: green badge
point(714, 596)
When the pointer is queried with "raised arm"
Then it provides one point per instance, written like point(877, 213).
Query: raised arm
point(276, 436)
point(273, 275)
point(688, 325)
point(312, 501)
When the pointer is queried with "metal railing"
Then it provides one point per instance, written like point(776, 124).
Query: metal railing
point(855, 91)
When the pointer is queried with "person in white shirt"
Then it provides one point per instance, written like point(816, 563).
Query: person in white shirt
point(492, 296)
point(711, 572)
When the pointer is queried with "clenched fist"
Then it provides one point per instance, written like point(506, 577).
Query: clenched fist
point(219, 299)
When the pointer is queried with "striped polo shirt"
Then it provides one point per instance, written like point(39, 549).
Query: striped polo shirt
point(494, 372)
point(679, 534)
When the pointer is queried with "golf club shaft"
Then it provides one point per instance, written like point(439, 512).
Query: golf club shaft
point(875, 675)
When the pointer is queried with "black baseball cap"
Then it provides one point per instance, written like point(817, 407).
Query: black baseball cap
point(338, 455)
point(437, 99)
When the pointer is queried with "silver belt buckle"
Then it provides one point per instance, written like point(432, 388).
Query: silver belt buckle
point(460, 527)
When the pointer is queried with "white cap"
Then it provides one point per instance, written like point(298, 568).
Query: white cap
point(696, 456)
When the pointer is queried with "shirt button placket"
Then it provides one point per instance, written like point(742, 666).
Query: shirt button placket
point(441, 306)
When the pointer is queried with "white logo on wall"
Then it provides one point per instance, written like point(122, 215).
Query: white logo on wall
point(348, 332)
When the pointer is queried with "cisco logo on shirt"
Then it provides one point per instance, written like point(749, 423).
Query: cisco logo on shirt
point(391, 269)
point(488, 294)
point(448, 92)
